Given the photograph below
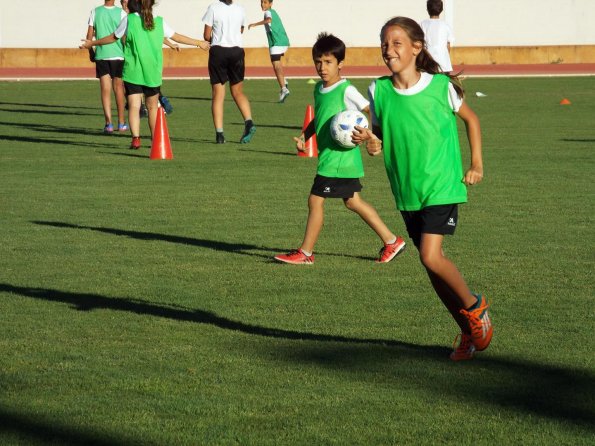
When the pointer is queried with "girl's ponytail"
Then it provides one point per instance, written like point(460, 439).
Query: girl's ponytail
point(145, 9)
point(424, 60)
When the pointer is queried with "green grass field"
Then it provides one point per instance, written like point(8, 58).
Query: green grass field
point(139, 303)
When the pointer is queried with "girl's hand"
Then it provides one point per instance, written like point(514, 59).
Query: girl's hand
point(250, 26)
point(300, 143)
point(364, 135)
point(204, 45)
point(473, 176)
point(86, 44)
point(175, 46)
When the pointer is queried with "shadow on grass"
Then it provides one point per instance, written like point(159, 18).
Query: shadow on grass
point(267, 152)
point(45, 112)
point(235, 248)
point(47, 128)
point(36, 105)
point(61, 142)
point(553, 392)
point(32, 428)
point(578, 140)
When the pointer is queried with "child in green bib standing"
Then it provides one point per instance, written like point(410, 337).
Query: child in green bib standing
point(339, 169)
point(143, 59)
point(278, 43)
point(414, 125)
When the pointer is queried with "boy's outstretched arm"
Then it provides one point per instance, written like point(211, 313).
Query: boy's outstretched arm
point(262, 22)
point(88, 43)
point(474, 174)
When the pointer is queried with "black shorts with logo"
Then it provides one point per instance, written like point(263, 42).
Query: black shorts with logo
point(140, 89)
point(327, 187)
point(441, 219)
point(112, 67)
point(226, 64)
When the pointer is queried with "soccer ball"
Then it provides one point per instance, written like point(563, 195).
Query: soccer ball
point(342, 126)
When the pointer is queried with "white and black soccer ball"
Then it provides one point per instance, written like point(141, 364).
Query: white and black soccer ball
point(343, 124)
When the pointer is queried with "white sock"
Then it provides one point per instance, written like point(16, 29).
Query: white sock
point(307, 253)
point(391, 241)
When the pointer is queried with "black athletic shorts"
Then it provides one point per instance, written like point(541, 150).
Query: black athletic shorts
point(276, 57)
point(112, 67)
point(441, 219)
point(226, 64)
point(335, 187)
point(141, 89)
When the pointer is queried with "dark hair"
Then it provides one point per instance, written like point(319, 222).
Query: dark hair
point(434, 7)
point(328, 44)
point(424, 60)
point(227, 2)
point(145, 9)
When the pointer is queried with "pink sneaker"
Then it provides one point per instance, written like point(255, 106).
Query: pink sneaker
point(390, 251)
point(296, 257)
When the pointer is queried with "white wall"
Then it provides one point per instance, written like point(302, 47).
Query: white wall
point(61, 24)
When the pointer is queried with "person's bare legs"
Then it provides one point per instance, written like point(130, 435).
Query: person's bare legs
point(105, 85)
point(446, 278)
point(134, 101)
point(241, 100)
point(314, 224)
point(118, 86)
point(217, 102)
point(278, 68)
point(370, 216)
point(152, 103)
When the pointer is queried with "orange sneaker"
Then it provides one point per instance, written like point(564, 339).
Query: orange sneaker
point(464, 350)
point(135, 144)
point(296, 257)
point(480, 324)
point(391, 250)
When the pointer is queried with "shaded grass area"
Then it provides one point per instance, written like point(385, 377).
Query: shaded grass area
point(139, 303)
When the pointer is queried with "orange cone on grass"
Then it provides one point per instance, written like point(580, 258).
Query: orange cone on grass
point(565, 102)
point(311, 147)
point(161, 146)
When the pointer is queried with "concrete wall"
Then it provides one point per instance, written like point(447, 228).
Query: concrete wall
point(492, 23)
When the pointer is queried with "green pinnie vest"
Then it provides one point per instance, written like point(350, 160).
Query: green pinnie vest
point(420, 144)
point(276, 34)
point(106, 22)
point(143, 56)
point(333, 160)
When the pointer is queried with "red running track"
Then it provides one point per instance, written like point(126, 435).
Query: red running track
point(586, 69)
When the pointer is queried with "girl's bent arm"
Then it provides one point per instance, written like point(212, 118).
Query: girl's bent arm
point(180, 38)
point(474, 174)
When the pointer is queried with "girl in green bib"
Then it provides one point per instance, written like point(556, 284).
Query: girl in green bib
point(414, 125)
point(143, 59)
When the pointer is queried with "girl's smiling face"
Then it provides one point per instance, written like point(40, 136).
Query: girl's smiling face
point(398, 50)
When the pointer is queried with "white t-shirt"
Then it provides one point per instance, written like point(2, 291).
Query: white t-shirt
point(454, 100)
point(438, 34)
point(354, 100)
point(122, 28)
point(227, 22)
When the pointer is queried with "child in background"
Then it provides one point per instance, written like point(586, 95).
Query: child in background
point(339, 169)
point(438, 35)
point(143, 59)
point(278, 43)
point(109, 61)
point(413, 120)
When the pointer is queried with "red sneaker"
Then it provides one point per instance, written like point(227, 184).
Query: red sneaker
point(390, 251)
point(480, 324)
point(464, 350)
point(296, 257)
point(135, 144)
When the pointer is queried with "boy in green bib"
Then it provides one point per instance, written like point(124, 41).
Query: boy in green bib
point(413, 118)
point(278, 43)
point(339, 169)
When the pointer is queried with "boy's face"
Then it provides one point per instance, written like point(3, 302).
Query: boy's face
point(398, 50)
point(124, 4)
point(265, 5)
point(328, 68)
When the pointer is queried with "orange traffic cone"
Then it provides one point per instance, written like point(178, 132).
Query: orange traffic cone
point(311, 148)
point(565, 102)
point(161, 146)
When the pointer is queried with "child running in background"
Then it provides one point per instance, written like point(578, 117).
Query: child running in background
point(143, 59)
point(109, 61)
point(413, 120)
point(339, 169)
point(438, 35)
point(278, 43)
